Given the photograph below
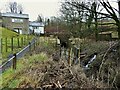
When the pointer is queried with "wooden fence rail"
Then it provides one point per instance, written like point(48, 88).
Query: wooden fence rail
point(9, 44)
point(16, 56)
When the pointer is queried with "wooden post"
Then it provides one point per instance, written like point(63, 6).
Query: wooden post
point(28, 38)
point(18, 42)
point(79, 56)
point(1, 45)
point(14, 62)
point(76, 55)
point(56, 42)
point(69, 56)
point(29, 47)
point(22, 41)
point(34, 44)
point(27, 41)
point(6, 44)
point(60, 50)
point(12, 44)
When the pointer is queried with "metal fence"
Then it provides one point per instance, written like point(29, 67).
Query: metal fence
point(12, 61)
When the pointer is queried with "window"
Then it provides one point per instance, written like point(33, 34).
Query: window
point(36, 27)
point(17, 20)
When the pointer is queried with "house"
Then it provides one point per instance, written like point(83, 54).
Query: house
point(17, 22)
point(36, 27)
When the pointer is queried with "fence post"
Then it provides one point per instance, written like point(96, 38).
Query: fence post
point(56, 42)
point(60, 51)
point(26, 40)
point(1, 45)
point(69, 56)
point(18, 42)
point(28, 37)
point(34, 44)
point(14, 62)
point(29, 47)
point(77, 55)
point(6, 44)
point(22, 41)
point(12, 44)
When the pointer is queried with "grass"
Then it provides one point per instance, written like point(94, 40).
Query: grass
point(7, 45)
point(11, 78)
point(7, 33)
point(6, 42)
point(27, 66)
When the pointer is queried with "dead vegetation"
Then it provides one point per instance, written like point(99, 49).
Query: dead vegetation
point(106, 67)
point(51, 75)
point(57, 73)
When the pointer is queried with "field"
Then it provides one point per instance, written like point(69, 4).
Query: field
point(12, 42)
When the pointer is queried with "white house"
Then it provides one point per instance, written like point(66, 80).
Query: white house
point(36, 28)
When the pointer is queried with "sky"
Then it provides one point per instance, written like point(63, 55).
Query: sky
point(47, 8)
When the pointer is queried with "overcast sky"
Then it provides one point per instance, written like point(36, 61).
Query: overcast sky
point(34, 7)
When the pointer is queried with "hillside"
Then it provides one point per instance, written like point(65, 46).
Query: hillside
point(7, 33)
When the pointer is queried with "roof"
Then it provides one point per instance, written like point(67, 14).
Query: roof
point(36, 24)
point(15, 15)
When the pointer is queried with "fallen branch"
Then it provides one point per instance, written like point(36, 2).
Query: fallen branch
point(103, 59)
point(59, 85)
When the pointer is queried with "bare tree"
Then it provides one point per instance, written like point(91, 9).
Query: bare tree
point(73, 16)
point(14, 7)
point(20, 8)
point(111, 12)
point(40, 18)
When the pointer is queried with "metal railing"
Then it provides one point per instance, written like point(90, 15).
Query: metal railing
point(17, 56)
